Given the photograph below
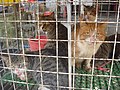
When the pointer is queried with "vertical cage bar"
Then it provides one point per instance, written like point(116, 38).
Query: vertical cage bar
point(56, 13)
point(81, 9)
point(39, 28)
point(93, 62)
point(15, 8)
point(22, 42)
point(73, 57)
point(69, 42)
point(113, 53)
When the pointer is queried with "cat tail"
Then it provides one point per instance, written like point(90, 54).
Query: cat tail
point(4, 56)
point(43, 88)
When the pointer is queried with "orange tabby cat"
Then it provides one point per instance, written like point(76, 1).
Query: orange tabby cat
point(85, 44)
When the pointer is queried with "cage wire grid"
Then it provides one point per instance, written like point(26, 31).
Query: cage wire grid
point(17, 27)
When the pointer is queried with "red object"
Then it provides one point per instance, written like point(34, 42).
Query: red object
point(104, 69)
point(47, 13)
point(65, 12)
point(101, 68)
point(31, 1)
point(34, 44)
point(22, 9)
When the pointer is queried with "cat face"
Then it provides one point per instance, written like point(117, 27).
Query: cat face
point(45, 21)
point(90, 13)
point(92, 32)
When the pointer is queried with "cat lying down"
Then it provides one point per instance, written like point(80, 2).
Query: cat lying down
point(45, 68)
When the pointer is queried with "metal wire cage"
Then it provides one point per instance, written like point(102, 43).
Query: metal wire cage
point(26, 45)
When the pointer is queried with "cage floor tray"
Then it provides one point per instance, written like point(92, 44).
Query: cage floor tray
point(99, 79)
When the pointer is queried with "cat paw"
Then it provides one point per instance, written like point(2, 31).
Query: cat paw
point(78, 65)
point(89, 69)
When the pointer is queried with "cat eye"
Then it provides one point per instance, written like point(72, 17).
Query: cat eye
point(98, 34)
point(40, 24)
point(47, 23)
point(87, 33)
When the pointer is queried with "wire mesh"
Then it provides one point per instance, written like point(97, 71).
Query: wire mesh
point(38, 50)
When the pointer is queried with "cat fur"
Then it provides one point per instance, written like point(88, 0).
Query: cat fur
point(106, 50)
point(84, 45)
point(50, 63)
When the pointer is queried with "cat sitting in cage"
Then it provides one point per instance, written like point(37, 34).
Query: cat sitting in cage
point(87, 37)
point(84, 31)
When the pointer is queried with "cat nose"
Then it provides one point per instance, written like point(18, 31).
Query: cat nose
point(92, 39)
point(85, 18)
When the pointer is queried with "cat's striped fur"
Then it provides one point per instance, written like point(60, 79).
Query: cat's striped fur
point(50, 63)
point(106, 50)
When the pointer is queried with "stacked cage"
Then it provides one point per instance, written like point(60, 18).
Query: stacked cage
point(59, 45)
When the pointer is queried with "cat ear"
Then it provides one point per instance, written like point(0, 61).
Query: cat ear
point(94, 10)
point(5, 57)
point(85, 7)
point(97, 7)
point(52, 15)
point(40, 16)
point(88, 8)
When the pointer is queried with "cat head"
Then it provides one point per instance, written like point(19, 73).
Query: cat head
point(5, 60)
point(15, 60)
point(46, 21)
point(92, 31)
point(90, 12)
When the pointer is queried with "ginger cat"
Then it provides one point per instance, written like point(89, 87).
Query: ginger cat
point(85, 42)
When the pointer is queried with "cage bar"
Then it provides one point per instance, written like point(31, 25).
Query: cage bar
point(20, 22)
